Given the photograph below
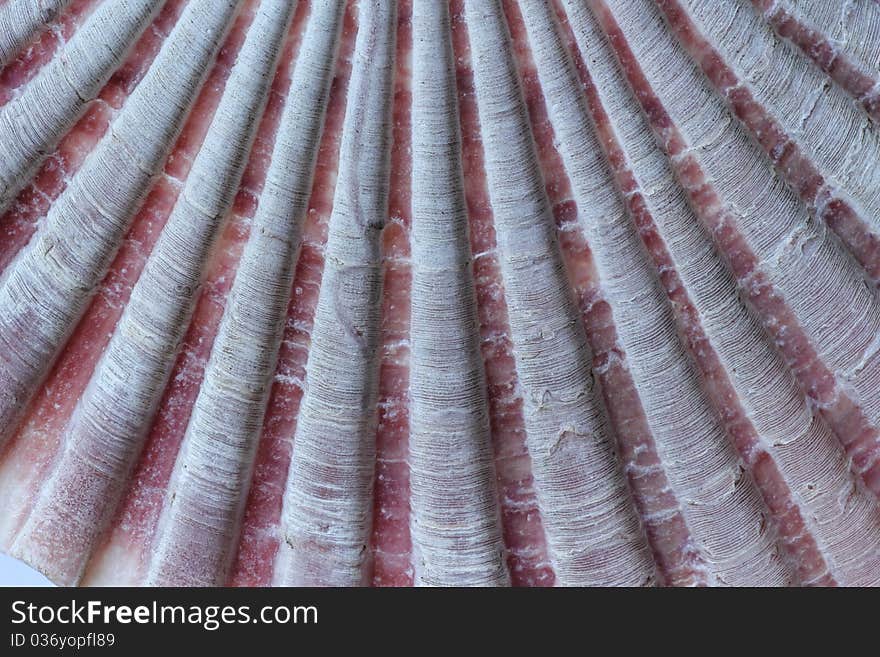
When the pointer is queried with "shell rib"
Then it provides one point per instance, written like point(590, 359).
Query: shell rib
point(678, 561)
point(311, 155)
point(391, 539)
point(796, 537)
point(453, 293)
point(327, 503)
point(859, 437)
point(20, 20)
point(34, 120)
point(41, 48)
point(858, 81)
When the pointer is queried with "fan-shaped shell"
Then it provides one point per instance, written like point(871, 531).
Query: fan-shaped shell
point(465, 292)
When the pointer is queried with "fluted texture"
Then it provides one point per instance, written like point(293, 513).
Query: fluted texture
point(453, 292)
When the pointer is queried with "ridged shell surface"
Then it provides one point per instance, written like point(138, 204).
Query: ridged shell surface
point(440, 292)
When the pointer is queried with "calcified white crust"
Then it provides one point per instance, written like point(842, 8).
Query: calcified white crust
point(465, 292)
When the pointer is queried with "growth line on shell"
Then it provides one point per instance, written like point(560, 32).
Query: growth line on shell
point(860, 83)
point(41, 48)
point(260, 534)
point(391, 540)
point(132, 531)
point(859, 438)
point(99, 447)
point(678, 560)
point(796, 537)
point(21, 217)
point(328, 499)
point(527, 560)
point(855, 231)
point(32, 123)
point(22, 20)
point(196, 537)
point(36, 439)
point(455, 525)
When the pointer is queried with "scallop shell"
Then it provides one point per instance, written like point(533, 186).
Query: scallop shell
point(477, 292)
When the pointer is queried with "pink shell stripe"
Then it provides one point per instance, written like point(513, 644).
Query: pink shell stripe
point(523, 530)
point(843, 415)
point(391, 540)
point(862, 85)
point(803, 553)
point(21, 217)
point(42, 48)
point(796, 168)
point(34, 446)
point(37, 438)
point(254, 564)
point(678, 561)
point(191, 137)
point(138, 514)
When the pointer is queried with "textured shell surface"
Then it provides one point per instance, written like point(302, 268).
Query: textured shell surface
point(440, 292)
